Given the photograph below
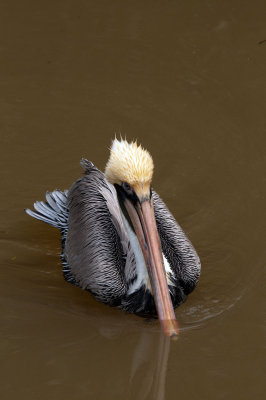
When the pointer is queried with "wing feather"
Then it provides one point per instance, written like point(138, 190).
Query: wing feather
point(93, 248)
point(176, 247)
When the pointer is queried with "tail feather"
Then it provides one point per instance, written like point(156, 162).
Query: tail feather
point(54, 211)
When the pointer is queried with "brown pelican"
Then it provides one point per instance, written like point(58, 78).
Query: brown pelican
point(119, 240)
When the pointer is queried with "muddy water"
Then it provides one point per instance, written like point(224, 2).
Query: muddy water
point(188, 80)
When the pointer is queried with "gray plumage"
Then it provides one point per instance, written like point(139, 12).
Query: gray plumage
point(97, 254)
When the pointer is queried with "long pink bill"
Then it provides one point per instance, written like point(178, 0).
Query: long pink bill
point(144, 224)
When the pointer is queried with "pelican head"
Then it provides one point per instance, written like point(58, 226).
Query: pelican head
point(130, 170)
point(130, 164)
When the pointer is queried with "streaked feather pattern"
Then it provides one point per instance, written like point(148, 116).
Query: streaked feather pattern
point(96, 251)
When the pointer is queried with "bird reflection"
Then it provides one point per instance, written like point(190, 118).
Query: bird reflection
point(149, 367)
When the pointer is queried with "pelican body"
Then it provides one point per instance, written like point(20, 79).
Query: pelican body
point(119, 240)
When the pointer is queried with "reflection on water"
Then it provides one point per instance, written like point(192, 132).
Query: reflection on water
point(149, 367)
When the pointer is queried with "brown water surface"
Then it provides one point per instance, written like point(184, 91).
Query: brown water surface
point(188, 80)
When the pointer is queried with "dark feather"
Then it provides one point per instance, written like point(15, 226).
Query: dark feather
point(96, 253)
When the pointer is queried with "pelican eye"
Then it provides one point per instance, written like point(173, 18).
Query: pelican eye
point(129, 192)
point(126, 186)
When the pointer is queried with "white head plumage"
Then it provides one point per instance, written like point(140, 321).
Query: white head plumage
point(130, 163)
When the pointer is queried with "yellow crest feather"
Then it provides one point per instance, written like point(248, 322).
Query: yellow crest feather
point(130, 163)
